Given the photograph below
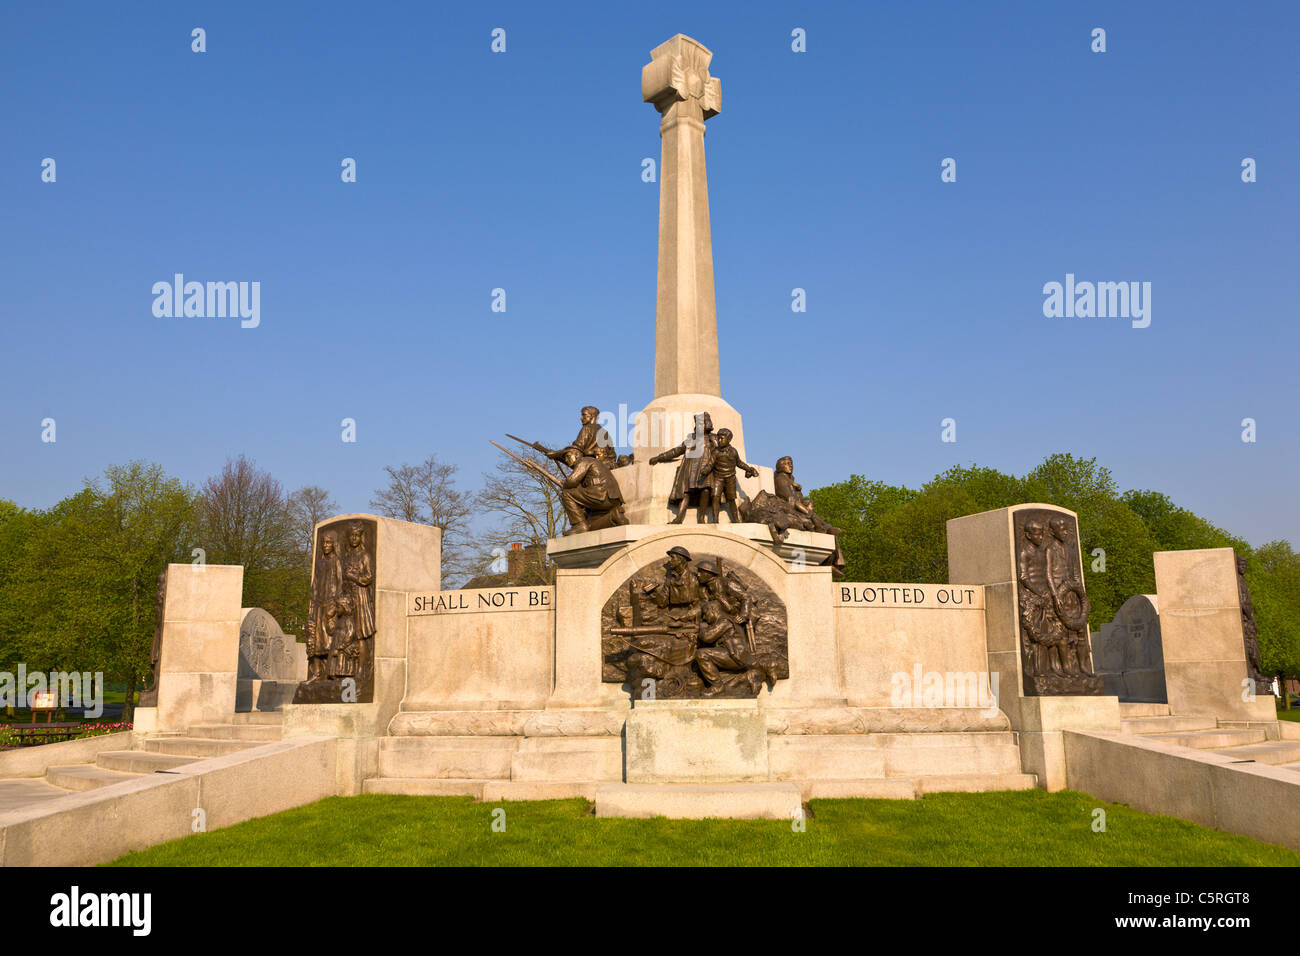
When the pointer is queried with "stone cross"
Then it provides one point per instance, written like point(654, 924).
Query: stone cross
point(677, 82)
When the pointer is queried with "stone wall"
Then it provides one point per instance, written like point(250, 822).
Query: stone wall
point(911, 645)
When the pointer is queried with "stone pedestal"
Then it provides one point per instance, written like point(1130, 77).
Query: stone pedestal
point(982, 549)
point(684, 741)
point(200, 647)
point(1128, 652)
point(1042, 722)
point(1201, 635)
point(985, 548)
point(591, 549)
point(408, 557)
point(580, 594)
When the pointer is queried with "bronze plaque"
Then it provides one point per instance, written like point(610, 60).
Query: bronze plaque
point(341, 616)
point(1055, 652)
point(694, 626)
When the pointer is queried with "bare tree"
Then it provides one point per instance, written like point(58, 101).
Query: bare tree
point(426, 493)
point(528, 503)
point(243, 517)
point(401, 499)
point(308, 506)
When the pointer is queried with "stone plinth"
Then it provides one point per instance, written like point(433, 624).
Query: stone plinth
point(1128, 653)
point(580, 595)
point(200, 646)
point(1043, 723)
point(684, 741)
point(480, 648)
point(590, 549)
point(982, 549)
point(1201, 634)
point(747, 801)
point(408, 557)
point(271, 663)
point(663, 425)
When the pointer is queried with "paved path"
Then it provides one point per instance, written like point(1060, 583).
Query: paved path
point(22, 794)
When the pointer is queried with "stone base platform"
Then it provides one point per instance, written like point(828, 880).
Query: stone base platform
point(590, 549)
point(263, 695)
point(742, 801)
point(662, 747)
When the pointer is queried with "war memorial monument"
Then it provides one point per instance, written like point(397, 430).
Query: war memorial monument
point(697, 654)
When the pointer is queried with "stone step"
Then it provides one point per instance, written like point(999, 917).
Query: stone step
point(817, 758)
point(1274, 752)
point(473, 758)
point(424, 787)
point(876, 756)
point(975, 782)
point(139, 761)
point(85, 776)
point(745, 801)
point(262, 732)
point(988, 758)
point(1213, 739)
point(894, 788)
point(197, 746)
point(1165, 725)
point(1142, 709)
point(258, 717)
point(561, 765)
point(495, 790)
point(910, 788)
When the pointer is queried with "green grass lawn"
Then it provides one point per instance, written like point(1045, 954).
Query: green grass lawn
point(1013, 828)
point(1292, 714)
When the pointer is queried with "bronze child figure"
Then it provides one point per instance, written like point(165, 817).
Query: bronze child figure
point(721, 474)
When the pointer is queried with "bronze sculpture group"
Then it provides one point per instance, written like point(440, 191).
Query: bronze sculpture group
point(1250, 632)
point(1053, 606)
point(341, 617)
point(694, 628)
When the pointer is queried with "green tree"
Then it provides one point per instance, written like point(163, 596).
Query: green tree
point(1273, 576)
point(80, 580)
point(856, 506)
point(245, 518)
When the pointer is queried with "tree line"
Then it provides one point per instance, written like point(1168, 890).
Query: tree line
point(893, 533)
point(78, 581)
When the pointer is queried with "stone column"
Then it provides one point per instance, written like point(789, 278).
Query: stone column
point(1201, 635)
point(199, 662)
point(677, 82)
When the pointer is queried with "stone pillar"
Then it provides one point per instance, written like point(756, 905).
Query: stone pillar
point(578, 662)
point(408, 557)
point(1201, 634)
point(677, 82)
point(199, 665)
point(982, 549)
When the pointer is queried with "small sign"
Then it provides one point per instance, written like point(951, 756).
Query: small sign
point(964, 597)
point(478, 600)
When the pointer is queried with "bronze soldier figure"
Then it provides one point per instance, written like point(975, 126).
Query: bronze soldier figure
point(593, 441)
point(590, 494)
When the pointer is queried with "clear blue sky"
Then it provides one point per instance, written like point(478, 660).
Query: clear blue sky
point(522, 170)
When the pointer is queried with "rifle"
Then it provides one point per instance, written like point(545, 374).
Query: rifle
point(533, 465)
point(730, 576)
point(537, 446)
